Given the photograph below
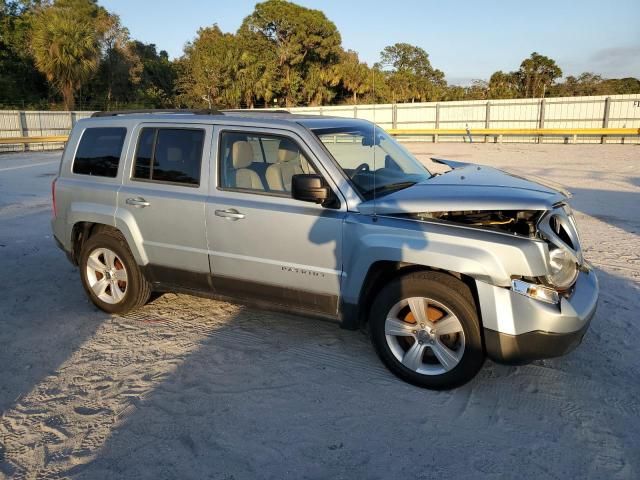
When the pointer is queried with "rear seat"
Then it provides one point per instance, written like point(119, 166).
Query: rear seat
point(261, 169)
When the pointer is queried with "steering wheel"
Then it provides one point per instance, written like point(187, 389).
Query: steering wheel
point(363, 167)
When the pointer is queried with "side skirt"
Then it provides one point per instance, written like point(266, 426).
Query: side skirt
point(253, 294)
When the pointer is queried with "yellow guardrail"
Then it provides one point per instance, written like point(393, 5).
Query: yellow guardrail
point(625, 132)
point(535, 132)
point(20, 140)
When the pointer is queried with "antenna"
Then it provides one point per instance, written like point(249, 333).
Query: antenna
point(373, 73)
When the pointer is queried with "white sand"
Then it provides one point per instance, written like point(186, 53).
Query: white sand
point(193, 388)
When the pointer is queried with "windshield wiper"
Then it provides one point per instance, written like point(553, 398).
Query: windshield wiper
point(389, 187)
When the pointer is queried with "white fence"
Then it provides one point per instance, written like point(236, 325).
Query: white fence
point(16, 123)
point(616, 111)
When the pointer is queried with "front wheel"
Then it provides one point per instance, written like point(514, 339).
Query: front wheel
point(110, 275)
point(425, 329)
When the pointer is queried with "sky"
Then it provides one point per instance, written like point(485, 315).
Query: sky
point(467, 40)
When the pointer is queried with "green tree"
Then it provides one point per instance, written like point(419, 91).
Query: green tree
point(301, 37)
point(66, 44)
point(21, 84)
point(259, 74)
point(478, 90)
point(209, 70)
point(155, 77)
point(117, 70)
point(411, 76)
point(317, 85)
point(622, 86)
point(537, 74)
point(352, 75)
point(503, 85)
point(453, 93)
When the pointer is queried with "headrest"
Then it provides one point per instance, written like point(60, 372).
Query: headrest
point(174, 154)
point(241, 154)
point(287, 151)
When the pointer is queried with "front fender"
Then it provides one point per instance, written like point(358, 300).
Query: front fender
point(491, 257)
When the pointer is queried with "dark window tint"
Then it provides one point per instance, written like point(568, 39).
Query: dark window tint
point(144, 153)
point(169, 155)
point(99, 152)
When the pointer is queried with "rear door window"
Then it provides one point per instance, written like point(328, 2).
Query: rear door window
point(171, 155)
point(99, 152)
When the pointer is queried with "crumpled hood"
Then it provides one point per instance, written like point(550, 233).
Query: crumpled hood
point(467, 187)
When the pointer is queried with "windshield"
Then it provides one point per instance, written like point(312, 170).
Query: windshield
point(375, 167)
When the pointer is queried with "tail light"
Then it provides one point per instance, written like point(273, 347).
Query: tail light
point(53, 197)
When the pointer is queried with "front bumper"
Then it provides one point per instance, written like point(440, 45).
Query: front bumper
point(519, 329)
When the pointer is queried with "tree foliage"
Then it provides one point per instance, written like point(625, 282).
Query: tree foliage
point(411, 76)
point(283, 54)
point(19, 78)
point(537, 74)
point(304, 41)
point(65, 41)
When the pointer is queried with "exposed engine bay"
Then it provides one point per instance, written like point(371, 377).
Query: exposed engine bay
point(511, 221)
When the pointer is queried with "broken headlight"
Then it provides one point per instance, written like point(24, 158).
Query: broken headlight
point(563, 269)
point(558, 227)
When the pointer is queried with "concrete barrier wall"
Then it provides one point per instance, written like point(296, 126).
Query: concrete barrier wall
point(616, 111)
point(19, 123)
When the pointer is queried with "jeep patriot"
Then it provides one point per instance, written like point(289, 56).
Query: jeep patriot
point(328, 217)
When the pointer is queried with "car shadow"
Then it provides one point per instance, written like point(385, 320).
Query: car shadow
point(274, 395)
point(44, 314)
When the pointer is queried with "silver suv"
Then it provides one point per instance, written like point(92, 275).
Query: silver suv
point(328, 217)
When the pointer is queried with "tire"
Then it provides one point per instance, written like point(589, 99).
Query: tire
point(413, 345)
point(103, 259)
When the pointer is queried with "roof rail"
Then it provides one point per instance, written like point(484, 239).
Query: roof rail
point(160, 110)
point(252, 111)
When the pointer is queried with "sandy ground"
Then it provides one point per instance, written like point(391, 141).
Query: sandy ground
point(193, 388)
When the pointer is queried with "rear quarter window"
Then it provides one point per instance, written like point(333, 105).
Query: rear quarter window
point(99, 152)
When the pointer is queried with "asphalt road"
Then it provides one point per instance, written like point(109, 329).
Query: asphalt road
point(194, 388)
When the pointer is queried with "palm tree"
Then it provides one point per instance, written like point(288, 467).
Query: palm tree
point(353, 74)
point(66, 49)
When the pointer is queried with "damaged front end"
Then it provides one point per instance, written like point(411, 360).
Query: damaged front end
point(518, 222)
point(556, 227)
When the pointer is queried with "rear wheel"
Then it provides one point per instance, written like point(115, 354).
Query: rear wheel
point(110, 275)
point(425, 329)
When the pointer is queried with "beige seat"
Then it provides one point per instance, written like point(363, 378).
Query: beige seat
point(279, 175)
point(240, 176)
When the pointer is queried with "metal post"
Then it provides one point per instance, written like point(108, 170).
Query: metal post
point(355, 112)
point(394, 116)
point(487, 119)
point(543, 104)
point(605, 118)
point(435, 137)
point(22, 121)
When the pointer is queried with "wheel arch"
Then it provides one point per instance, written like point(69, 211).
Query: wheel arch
point(83, 230)
point(382, 272)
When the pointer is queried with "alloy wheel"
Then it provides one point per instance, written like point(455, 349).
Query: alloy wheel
point(425, 335)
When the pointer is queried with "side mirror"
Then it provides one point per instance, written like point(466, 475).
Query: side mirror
point(310, 187)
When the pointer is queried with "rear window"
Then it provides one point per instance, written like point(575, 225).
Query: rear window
point(99, 152)
point(171, 155)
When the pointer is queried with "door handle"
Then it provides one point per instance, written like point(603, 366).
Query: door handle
point(137, 202)
point(231, 214)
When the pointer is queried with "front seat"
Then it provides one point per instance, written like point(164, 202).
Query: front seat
point(279, 175)
point(241, 176)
